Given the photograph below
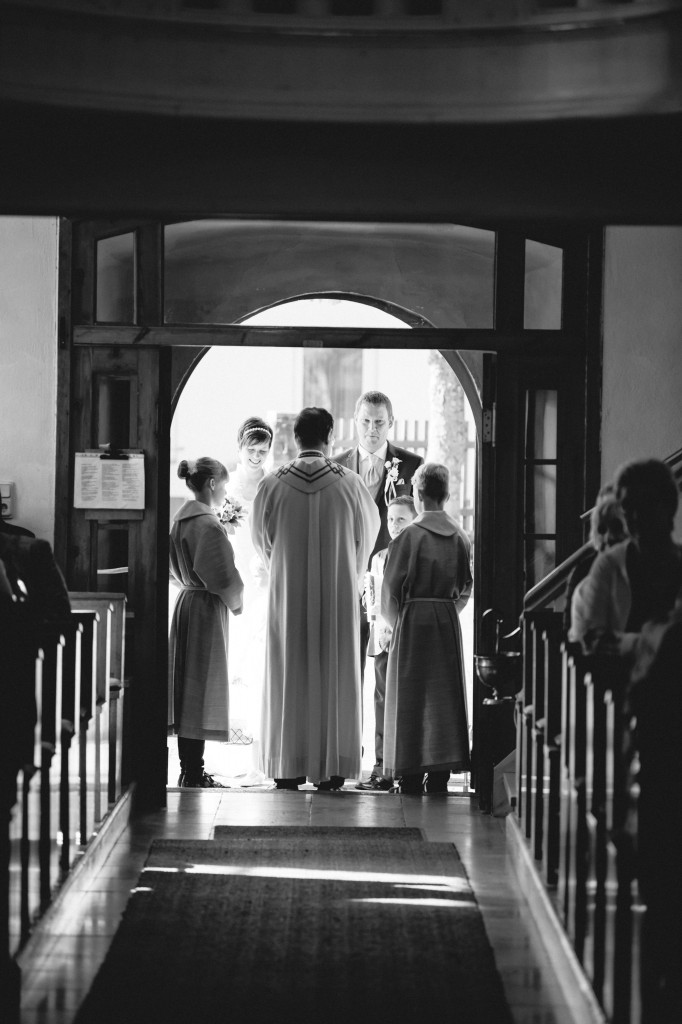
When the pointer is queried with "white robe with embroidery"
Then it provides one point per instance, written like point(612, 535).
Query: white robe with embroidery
point(314, 524)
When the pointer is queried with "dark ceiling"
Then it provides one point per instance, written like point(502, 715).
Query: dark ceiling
point(83, 163)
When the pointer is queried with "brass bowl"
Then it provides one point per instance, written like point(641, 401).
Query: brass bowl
point(501, 673)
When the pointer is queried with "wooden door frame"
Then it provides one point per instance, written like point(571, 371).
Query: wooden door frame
point(578, 340)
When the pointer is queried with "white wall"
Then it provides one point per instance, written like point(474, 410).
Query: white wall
point(28, 367)
point(642, 387)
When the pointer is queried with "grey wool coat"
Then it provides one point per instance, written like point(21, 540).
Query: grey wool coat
point(202, 566)
point(427, 582)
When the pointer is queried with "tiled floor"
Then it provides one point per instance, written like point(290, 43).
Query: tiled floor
point(56, 980)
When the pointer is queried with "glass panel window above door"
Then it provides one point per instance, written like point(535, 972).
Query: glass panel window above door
point(543, 283)
point(222, 271)
point(115, 300)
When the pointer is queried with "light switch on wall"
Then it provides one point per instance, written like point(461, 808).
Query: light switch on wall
point(6, 500)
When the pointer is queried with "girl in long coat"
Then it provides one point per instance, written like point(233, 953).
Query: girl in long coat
point(202, 565)
point(427, 582)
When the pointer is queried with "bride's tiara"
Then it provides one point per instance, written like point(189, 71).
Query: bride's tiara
point(257, 430)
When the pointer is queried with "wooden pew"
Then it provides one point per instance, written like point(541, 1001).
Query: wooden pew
point(595, 799)
point(575, 829)
point(69, 716)
point(552, 642)
point(50, 656)
point(111, 685)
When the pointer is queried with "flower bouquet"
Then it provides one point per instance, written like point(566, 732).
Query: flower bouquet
point(231, 515)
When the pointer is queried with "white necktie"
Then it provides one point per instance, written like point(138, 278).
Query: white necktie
point(372, 476)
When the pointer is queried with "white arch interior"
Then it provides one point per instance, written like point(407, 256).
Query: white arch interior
point(230, 384)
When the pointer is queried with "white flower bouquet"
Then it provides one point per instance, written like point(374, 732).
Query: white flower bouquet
point(231, 515)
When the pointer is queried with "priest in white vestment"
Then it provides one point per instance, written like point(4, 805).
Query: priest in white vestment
point(314, 524)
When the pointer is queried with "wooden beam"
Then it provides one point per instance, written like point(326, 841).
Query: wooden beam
point(239, 335)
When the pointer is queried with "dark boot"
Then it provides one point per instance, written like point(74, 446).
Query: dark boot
point(437, 782)
point(330, 785)
point(200, 780)
point(290, 783)
point(413, 785)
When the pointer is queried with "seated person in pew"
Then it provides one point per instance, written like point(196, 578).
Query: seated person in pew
point(30, 560)
point(33, 595)
point(638, 578)
point(629, 610)
point(607, 527)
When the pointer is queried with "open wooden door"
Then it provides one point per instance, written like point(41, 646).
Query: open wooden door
point(119, 398)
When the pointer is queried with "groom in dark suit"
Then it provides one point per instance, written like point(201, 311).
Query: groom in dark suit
point(387, 471)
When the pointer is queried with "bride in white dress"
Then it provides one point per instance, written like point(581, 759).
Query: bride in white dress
point(247, 631)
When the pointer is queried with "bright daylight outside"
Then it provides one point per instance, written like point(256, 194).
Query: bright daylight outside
point(229, 385)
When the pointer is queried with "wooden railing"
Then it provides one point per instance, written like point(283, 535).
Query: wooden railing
point(76, 773)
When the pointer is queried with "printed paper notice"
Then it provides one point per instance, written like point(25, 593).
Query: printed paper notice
point(108, 483)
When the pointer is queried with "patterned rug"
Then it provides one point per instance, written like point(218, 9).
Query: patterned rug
point(312, 925)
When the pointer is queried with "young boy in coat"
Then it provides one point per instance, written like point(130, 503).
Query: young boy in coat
point(427, 582)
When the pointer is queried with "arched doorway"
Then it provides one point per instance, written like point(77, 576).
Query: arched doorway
point(433, 417)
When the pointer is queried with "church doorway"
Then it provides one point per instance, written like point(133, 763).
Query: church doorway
point(514, 311)
point(432, 417)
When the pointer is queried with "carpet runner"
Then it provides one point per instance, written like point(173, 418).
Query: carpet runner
point(300, 924)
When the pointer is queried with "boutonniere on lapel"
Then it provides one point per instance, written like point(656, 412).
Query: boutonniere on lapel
point(392, 479)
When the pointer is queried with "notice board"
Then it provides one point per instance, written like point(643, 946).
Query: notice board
point(108, 482)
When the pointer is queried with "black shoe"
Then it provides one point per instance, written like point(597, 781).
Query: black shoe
point(375, 784)
point(290, 783)
point(330, 785)
point(436, 782)
point(412, 785)
point(199, 781)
